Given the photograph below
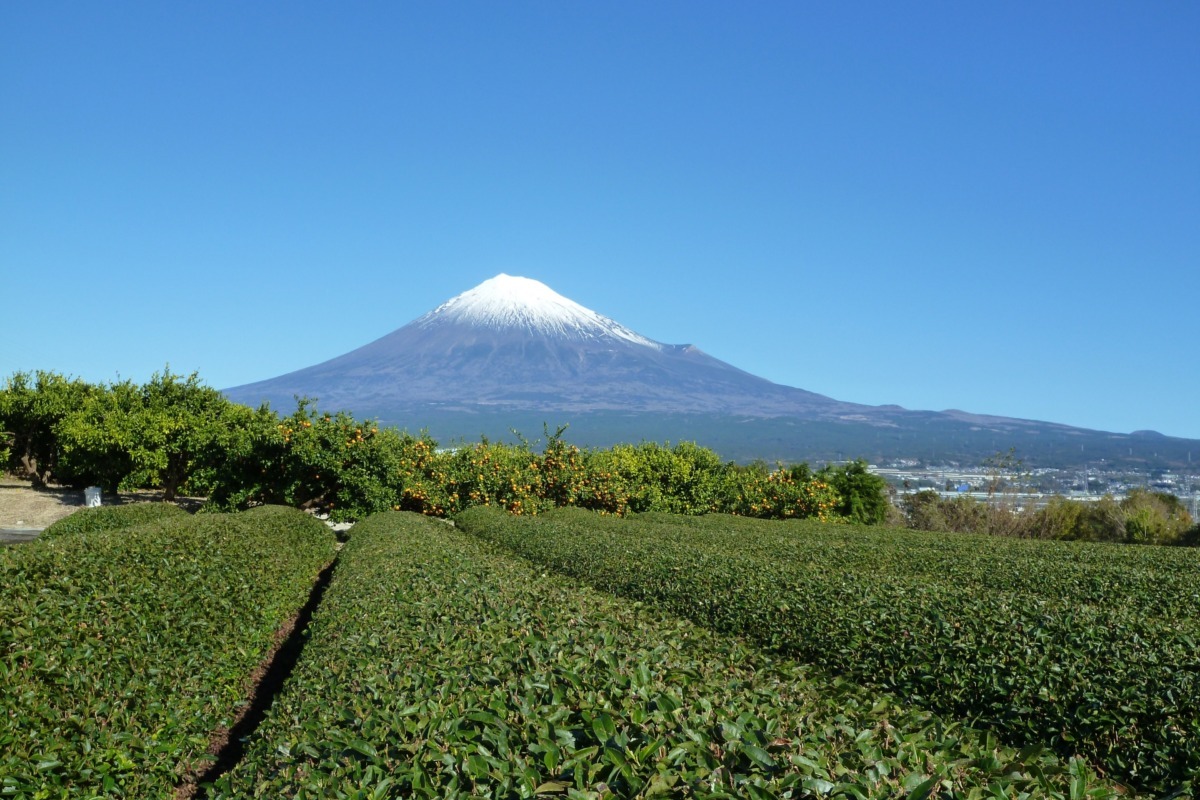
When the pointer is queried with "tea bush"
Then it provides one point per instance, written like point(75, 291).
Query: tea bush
point(107, 518)
point(123, 651)
point(1087, 649)
point(438, 668)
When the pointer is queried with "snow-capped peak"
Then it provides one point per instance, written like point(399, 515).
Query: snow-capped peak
point(507, 301)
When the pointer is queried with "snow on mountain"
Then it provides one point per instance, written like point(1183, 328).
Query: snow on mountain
point(507, 302)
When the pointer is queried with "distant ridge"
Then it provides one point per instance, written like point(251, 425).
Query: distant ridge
point(512, 352)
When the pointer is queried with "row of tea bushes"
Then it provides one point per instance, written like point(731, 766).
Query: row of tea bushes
point(440, 667)
point(109, 518)
point(1151, 581)
point(123, 650)
point(1101, 661)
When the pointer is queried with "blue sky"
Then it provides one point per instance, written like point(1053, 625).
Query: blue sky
point(992, 207)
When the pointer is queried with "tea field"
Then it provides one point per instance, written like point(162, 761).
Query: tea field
point(1086, 649)
point(127, 642)
point(575, 655)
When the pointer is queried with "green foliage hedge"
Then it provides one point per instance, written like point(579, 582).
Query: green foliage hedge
point(1088, 649)
point(107, 518)
point(352, 468)
point(122, 651)
point(180, 435)
point(177, 434)
point(440, 668)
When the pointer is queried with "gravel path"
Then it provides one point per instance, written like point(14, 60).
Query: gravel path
point(25, 508)
point(26, 512)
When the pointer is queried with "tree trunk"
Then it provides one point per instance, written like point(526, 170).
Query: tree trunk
point(30, 465)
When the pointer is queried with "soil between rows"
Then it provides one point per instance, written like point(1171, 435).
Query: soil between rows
point(228, 745)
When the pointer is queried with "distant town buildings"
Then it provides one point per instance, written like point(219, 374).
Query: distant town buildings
point(1036, 486)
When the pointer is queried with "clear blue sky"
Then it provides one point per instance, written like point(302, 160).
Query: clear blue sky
point(992, 207)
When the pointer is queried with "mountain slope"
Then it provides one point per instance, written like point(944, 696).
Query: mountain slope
point(513, 354)
point(515, 343)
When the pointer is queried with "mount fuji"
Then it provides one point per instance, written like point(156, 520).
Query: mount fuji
point(514, 343)
point(512, 353)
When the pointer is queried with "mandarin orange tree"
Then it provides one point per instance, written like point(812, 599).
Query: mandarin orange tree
point(31, 408)
point(312, 460)
point(490, 474)
point(756, 491)
point(180, 435)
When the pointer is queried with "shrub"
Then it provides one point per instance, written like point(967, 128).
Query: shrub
point(124, 651)
point(1154, 518)
point(440, 668)
point(1143, 517)
point(31, 408)
point(1088, 650)
point(928, 511)
point(1060, 518)
point(108, 518)
point(862, 496)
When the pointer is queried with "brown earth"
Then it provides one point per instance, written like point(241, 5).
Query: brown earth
point(22, 506)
